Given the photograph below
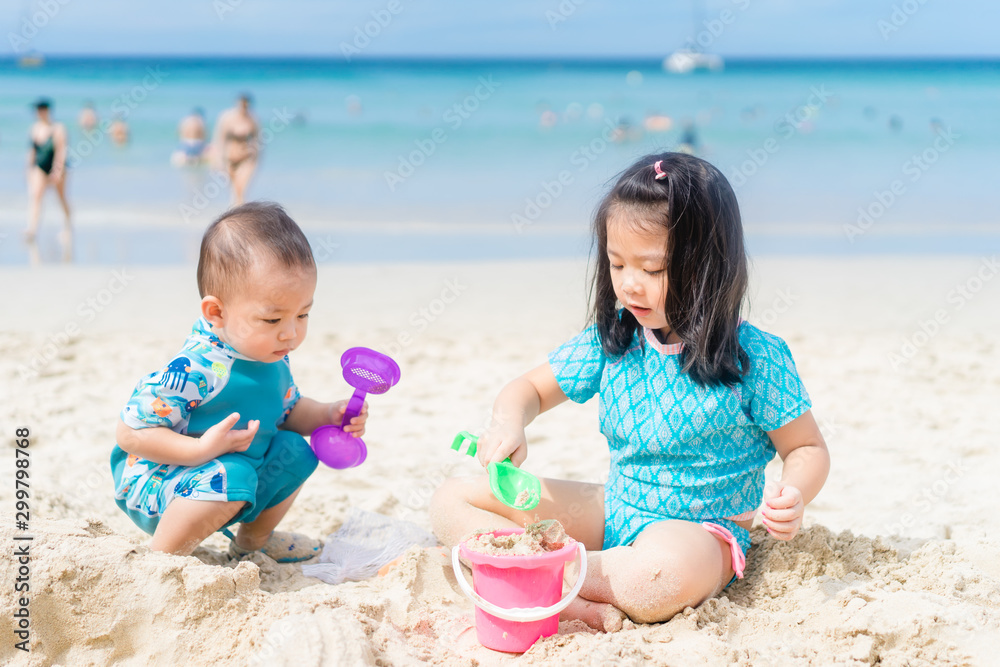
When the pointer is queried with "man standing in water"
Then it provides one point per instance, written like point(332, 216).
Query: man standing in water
point(236, 145)
point(47, 167)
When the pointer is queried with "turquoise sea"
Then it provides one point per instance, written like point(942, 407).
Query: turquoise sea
point(430, 159)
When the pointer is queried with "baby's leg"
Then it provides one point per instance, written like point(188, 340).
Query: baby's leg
point(670, 566)
point(186, 523)
point(287, 463)
point(254, 535)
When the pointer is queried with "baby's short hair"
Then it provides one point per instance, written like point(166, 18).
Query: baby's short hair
point(239, 239)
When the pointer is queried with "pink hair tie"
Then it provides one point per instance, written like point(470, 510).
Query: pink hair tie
point(660, 174)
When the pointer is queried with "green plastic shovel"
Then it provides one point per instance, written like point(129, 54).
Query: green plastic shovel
point(507, 482)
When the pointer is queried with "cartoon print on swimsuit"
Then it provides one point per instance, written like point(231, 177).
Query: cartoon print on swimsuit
point(189, 379)
point(201, 348)
point(161, 408)
point(158, 411)
point(218, 483)
point(187, 485)
point(205, 481)
point(290, 399)
point(175, 375)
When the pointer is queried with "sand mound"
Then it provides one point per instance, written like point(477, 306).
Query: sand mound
point(537, 538)
point(100, 598)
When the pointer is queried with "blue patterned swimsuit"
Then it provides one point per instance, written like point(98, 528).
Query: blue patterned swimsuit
point(679, 450)
point(205, 383)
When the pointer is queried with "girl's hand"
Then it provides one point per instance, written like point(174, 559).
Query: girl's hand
point(357, 425)
point(497, 443)
point(222, 439)
point(782, 511)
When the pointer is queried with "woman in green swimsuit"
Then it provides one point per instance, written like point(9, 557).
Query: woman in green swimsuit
point(47, 167)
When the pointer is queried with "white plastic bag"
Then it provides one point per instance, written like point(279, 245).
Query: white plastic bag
point(365, 542)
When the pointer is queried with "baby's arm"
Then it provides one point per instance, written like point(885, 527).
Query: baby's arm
point(516, 406)
point(308, 415)
point(806, 464)
point(162, 445)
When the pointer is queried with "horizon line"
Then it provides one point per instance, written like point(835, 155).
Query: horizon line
point(529, 58)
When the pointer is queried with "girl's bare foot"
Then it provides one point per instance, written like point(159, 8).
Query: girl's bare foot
point(598, 615)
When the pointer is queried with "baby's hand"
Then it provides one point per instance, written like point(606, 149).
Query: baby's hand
point(782, 511)
point(357, 425)
point(222, 439)
point(497, 443)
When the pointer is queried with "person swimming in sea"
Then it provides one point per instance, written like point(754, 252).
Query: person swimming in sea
point(193, 145)
point(88, 116)
point(119, 131)
point(688, 142)
point(47, 168)
point(236, 146)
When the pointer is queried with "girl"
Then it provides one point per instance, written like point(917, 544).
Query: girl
point(694, 403)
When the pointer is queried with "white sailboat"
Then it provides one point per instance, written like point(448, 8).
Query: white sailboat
point(688, 58)
point(684, 61)
point(33, 57)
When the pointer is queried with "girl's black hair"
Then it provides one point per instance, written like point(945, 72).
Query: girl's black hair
point(706, 264)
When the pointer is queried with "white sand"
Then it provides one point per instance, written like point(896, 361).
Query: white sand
point(898, 565)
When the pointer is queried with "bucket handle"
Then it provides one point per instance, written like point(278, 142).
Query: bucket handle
point(522, 614)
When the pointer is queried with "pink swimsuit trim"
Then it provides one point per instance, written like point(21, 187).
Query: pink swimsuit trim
point(746, 516)
point(673, 348)
point(739, 560)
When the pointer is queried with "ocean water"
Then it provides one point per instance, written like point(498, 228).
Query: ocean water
point(456, 158)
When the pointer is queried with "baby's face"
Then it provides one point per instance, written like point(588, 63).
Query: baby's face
point(269, 319)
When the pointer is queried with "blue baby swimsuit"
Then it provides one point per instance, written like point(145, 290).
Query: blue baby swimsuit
point(206, 382)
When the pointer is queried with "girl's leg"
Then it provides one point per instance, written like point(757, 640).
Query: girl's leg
point(254, 535)
point(186, 523)
point(465, 504)
point(670, 566)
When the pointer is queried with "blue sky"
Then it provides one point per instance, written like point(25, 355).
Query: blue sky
point(824, 28)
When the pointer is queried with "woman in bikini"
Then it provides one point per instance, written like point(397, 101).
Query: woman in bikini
point(236, 146)
point(47, 167)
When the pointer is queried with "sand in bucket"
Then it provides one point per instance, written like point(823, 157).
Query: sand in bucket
point(517, 579)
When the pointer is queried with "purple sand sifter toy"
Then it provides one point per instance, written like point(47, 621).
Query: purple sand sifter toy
point(369, 372)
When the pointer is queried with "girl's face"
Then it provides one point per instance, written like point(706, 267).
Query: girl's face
point(637, 257)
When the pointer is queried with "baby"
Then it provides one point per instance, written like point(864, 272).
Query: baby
point(215, 437)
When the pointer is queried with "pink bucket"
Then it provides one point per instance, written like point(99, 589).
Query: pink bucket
point(518, 598)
